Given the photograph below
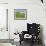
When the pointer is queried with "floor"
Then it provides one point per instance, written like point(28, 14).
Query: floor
point(22, 44)
point(27, 44)
point(6, 44)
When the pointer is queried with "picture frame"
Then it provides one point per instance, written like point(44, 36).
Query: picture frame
point(20, 14)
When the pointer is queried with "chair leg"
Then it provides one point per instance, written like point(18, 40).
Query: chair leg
point(32, 42)
point(20, 42)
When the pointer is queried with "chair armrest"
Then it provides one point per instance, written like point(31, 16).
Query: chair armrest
point(24, 32)
point(22, 35)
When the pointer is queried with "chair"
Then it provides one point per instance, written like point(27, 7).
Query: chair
point(33, 30)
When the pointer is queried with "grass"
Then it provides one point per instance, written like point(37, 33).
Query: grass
point(20, 15)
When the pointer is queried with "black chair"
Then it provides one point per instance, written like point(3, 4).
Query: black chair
point(32, 29)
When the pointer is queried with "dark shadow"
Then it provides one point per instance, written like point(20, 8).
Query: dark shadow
point(41, 35)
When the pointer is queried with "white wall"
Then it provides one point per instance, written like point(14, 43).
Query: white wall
point(35, 13)
point(3, 1)
point(3, 22)
point(3, 34)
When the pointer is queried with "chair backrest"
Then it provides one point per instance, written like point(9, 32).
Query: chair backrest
point(33, 28)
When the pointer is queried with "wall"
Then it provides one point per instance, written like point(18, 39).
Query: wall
point(3, 21)
point(35, 13)
point(3, 1)
point(4, 34)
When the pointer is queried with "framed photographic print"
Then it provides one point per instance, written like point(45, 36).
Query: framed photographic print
point(20, 14)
